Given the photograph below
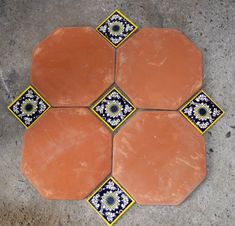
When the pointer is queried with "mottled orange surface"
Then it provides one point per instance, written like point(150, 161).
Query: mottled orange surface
point(159, 68)
point(67, 154)
point(159, 158)
point(72, 66)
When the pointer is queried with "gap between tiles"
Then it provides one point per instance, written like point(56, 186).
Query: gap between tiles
point(113, 134)
point(115, 64)
point(69, 107)
point(150, 109)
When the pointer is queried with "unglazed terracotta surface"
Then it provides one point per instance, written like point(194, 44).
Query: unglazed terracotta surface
point(68, 154)
point(72, 66)
point(159, 158)
point(159, 68)
point(156, 154)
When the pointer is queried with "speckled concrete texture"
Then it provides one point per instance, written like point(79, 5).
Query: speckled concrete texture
point(209, 24)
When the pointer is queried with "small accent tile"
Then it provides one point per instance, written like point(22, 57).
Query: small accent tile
point(202, 112)
point(116, 28)
point(113, 109)
point(28, 107)
point(110, 201)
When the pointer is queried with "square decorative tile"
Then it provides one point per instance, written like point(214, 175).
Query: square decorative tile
point(28, 107)
point(113, 109)
point(116, 28)
point(110, 201)
point(202, 112)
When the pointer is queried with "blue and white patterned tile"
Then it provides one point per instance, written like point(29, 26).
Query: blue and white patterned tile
point(28, 107)
point(110, 201)
point(113, 109)
point(202, 111)
point(116, 28)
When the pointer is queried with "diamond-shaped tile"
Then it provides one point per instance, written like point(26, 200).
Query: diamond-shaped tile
point(28, 107)
point(202, 112)
point(116, 28)
point(113, 109)
point(110, 201)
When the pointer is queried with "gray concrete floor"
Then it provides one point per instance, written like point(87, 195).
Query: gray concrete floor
point(210, 24)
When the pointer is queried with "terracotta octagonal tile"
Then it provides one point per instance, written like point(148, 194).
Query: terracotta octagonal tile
point(159, 158)
point(68, 154)
point(72, 66)
point(159, 68)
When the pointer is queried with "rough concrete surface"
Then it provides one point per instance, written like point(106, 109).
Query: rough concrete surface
point(209, 23)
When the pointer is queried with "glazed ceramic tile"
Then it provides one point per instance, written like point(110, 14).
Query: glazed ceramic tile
point(29, 106)
point(110, 201)
point(116, 28)
point(113, 109)
point(202, 112)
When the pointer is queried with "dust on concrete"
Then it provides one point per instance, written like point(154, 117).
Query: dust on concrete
point(209, 24)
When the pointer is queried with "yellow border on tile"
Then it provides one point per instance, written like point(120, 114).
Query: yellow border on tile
point(110, 90)
point(21, 94)
point(136, 27)
point(131, 204)
point(181, 111)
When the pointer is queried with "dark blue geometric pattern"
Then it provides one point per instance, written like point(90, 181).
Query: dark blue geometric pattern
point(116, 28)
point(110, 201)
point(28, 107)
point(113, 109)
point(202, 111)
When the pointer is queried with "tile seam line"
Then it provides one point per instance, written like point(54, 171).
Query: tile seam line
point(115, 65)
point(152, 109)
point(112, 159)
point(70, 107)
point(139, 109)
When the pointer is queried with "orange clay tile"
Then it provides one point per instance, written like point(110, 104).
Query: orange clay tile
point(159, 158)
point(159, 68)
point(72, 67)
point(68, 154)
